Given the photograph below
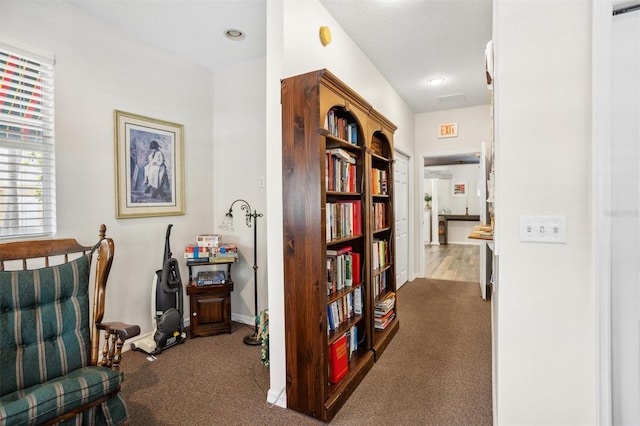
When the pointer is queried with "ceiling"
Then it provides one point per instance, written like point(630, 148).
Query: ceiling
point(409, 41)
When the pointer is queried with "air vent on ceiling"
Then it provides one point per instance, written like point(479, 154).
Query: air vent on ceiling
point(447, 99)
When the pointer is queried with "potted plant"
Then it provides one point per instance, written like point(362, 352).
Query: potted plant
point(427, 201)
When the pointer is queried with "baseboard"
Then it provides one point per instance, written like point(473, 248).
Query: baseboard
point(245, 319)
point(278, 398)
point(127, 345)
point(464, 243)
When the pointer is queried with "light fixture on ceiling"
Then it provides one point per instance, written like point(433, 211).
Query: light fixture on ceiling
point(233, 34)
point(435, 81)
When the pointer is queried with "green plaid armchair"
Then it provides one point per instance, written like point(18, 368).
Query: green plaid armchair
point(49, 343)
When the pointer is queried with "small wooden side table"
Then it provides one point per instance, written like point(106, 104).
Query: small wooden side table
point(210, 304)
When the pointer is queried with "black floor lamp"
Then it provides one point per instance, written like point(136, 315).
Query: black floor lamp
point(227, 224)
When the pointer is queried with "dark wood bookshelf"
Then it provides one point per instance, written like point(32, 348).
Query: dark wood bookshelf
point(312, 103)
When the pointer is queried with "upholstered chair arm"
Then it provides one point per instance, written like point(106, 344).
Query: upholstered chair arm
point(115, 334)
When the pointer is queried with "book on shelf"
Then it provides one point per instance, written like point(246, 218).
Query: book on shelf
point(340, 269)
point(338, 359)
point(211, 278)
point(379, 216)
point(380, 253)
point(339, 250)
point(227, 255)
point(193, 251)
point(343, 154)
point(343, 219)
point(223, 259)
point(379, 283)
point(224, 248)
point(387, 321)
point(340, 311)
point(384, 318)
point(384, 306)
point(379, 182)
point(352, 341)
point(198, 260)
point(341, 128)
point(356, 267)
point(340, 173)
point(357, 301)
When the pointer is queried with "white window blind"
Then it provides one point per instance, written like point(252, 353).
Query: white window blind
point(27, 154)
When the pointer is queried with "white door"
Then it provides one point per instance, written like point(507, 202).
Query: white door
point(625, 200)
point(485, 254)
point(401, 208)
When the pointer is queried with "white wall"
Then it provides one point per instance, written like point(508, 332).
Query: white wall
point(98, 69)
point(239, 166)
point(300, 52)
point(474, 127)
point(546, 336)
point(469, 173)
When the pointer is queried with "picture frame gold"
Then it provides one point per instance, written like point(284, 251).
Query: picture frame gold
point(149, 168)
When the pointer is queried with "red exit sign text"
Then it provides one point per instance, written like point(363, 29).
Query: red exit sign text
point(448, 130)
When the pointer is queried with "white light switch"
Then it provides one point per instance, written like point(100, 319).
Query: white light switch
point(543, 229)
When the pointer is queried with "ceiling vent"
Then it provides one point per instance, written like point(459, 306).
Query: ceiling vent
point(447, 99)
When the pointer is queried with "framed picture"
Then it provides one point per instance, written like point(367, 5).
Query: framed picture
point(459, 189)
point(149, 166)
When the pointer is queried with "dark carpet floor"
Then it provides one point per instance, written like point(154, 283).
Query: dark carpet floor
point(436, 371)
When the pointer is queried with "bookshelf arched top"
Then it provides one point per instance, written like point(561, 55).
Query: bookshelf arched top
point(381, 145)
point(343, 125)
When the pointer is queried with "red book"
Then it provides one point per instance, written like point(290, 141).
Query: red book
point(357, 217)
point(338, 359)
point(355, 265)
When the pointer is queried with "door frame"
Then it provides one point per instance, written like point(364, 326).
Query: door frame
point(602, 43)
point(421, 264)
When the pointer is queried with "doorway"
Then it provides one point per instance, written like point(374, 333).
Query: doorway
point(454, 185)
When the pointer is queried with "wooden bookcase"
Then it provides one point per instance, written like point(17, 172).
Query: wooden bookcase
point(314, 204)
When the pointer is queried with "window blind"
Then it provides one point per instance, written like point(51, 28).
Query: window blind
point(27, 144)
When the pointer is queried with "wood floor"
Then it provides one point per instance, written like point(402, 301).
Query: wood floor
point(455, 262)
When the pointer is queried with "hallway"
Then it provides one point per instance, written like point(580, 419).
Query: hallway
point(455, 262)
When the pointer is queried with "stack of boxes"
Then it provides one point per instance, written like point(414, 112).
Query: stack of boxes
point(210, 249)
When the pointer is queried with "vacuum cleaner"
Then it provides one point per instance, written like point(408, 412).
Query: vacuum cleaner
point(166, 306)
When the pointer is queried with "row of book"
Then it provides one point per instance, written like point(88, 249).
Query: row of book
point(342, 128)
point(379, 215)
point(340, 170)
point(220, 253)
point(340, 353)
point(379, 181)
point(343, 269)
point(340, 311)
point(384, 312)
point(380, 253)
point(379, 284)
point(345, 308)
point(343, 219)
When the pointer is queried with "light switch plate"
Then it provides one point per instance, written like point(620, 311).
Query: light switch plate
point(543, 229)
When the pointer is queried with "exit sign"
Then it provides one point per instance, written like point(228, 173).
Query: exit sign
point(448, 130)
